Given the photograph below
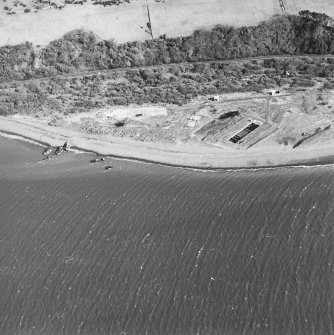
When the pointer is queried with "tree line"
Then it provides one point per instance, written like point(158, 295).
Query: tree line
point(173, 84)
point(83, 51)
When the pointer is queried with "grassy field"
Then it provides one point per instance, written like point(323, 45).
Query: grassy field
point(127, 22)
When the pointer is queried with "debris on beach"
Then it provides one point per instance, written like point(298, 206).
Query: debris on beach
point(108, 167)
point(48, 157)
point(66, 146)
point(59, 150)
point(47, 151)
point(101, 159)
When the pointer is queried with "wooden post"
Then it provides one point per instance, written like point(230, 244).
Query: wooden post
point(282, 5)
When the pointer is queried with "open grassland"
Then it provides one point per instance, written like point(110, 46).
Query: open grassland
point(127, 22)
point(122, 23)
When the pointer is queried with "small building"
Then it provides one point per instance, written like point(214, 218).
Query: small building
point(214, 98)
point(274, 92)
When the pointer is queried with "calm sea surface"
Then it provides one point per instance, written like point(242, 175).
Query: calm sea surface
point(146, 249)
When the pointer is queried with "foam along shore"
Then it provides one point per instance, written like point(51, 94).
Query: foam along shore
point(190, 154)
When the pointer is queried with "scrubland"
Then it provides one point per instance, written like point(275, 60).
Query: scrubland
point(175, 84)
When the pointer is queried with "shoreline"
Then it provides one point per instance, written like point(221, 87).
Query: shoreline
point(111, 147)
point(321, 161)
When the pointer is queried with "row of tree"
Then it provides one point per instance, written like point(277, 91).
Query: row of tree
point(83, 51)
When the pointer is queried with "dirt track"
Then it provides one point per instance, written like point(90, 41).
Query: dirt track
point(95, 72)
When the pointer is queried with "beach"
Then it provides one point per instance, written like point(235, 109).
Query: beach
point(198, 155)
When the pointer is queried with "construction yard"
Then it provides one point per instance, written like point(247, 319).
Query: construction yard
point(238, 121)
point(237, 131)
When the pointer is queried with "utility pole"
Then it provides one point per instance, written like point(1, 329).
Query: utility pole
point(149, 24)
point(282, 5)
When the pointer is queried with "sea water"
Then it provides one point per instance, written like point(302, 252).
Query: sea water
point(147, 249)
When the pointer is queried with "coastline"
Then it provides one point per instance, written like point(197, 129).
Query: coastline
point(186, 155)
